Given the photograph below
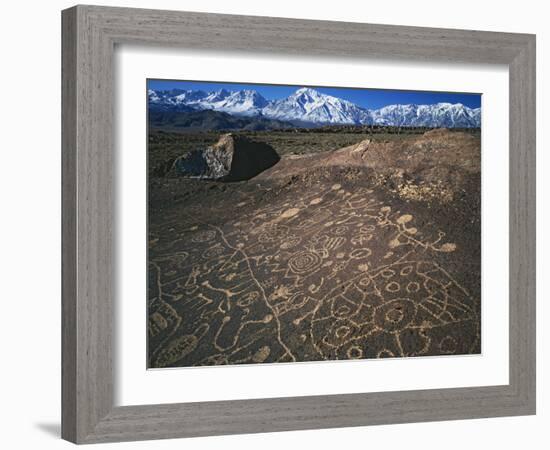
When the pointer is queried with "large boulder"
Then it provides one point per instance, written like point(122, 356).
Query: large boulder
point(232, 158)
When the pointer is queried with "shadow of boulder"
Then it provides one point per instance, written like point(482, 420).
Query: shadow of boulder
point(232, 158)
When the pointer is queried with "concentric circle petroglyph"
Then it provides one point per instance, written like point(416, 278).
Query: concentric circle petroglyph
point(303, 262)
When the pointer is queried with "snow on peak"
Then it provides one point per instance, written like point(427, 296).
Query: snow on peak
point(308, 105)
point(308, 92)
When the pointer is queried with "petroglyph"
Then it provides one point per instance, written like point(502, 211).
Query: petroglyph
point(331, 273)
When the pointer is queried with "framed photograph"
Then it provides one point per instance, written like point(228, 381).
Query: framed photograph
point(268, 230)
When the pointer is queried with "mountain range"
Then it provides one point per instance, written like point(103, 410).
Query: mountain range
point(209, 119)
point(308, 106)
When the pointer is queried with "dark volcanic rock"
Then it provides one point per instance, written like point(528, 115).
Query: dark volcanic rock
point(232, 158)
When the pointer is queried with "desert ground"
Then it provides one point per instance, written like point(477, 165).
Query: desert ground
point(352, 245)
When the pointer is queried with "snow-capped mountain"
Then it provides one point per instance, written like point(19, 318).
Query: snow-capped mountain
point(308, 105)
point(245, 102)
point(174, 100)
point(216, 97)
point(438, 115)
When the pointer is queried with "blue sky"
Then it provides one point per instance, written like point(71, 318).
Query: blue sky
point(367, 98)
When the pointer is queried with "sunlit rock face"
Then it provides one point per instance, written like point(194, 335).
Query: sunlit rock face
point(232, 158)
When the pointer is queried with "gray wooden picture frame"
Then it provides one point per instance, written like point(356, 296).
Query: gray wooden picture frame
point(90, 34)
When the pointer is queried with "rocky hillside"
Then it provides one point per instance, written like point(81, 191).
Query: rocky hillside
point(438, 163)
point(210, 120)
